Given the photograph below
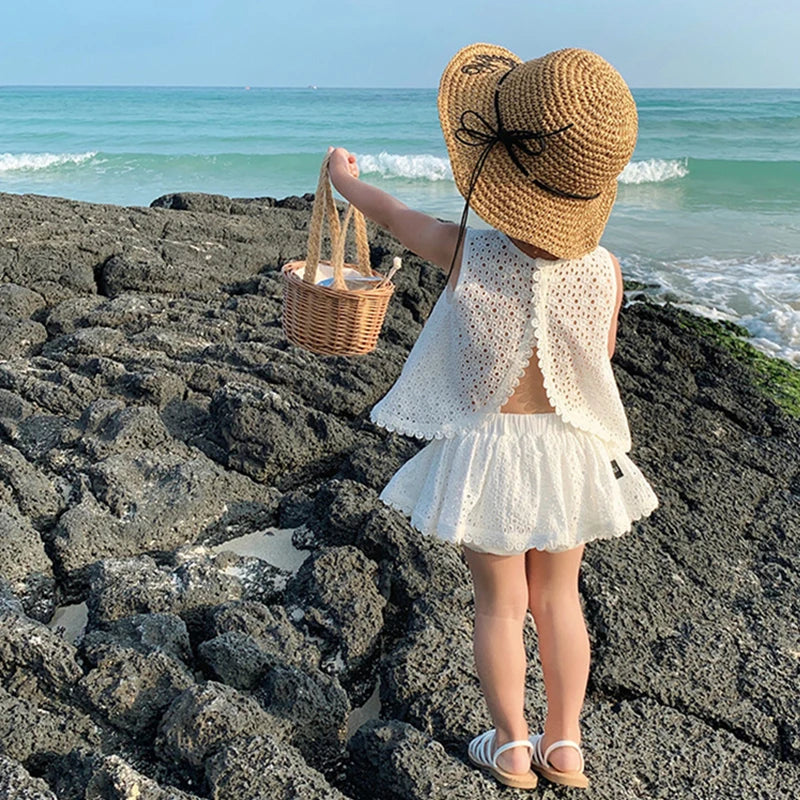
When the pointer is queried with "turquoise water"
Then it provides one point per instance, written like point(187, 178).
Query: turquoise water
point(709, 207)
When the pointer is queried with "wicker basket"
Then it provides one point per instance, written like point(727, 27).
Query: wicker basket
point(333, 320)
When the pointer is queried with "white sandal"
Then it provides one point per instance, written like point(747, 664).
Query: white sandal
point(480, 753)
point(539, 762)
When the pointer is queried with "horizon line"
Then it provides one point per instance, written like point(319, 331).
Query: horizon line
point(244, 87)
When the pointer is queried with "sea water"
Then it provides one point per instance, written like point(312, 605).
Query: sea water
point(708, 210)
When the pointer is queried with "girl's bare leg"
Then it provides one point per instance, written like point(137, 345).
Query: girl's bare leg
point(501, 604)
point(564, 646)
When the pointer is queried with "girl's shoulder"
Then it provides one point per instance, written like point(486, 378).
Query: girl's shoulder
point(603, 254)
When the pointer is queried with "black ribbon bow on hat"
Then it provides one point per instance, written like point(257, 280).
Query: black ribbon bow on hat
point(482, 134)
point(530, 142)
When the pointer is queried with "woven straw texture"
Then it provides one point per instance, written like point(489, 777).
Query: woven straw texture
point(567, 87)
point(333, 320)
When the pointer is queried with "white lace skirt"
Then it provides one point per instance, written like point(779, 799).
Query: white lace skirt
point(520, 481)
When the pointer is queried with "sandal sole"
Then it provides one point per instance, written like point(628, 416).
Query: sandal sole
point(525, 780)
point(576, 780)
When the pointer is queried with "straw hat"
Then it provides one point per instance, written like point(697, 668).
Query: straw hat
point(536, 146)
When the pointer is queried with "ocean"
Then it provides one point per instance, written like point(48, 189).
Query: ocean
point(708, 210)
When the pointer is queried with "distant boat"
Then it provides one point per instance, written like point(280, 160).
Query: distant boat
point(247, 88)
point(311, 86)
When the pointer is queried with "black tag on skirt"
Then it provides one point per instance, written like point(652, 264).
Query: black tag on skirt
point(617, 470)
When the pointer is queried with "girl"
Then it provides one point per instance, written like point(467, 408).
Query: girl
point(510, 377)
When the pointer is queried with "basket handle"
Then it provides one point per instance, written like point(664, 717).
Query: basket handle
point(362, 245)
point(325, 206)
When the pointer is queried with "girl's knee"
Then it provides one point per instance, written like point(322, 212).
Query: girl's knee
point(544, 601)
point(502, 607)
point(499, 600)
point(552, 578)
point(499, 583)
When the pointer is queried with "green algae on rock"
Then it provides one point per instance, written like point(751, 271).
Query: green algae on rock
point(776, 378)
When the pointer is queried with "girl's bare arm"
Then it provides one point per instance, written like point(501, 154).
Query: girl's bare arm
point(422, 234)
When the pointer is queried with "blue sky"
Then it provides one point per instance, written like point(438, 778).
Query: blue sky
point(367, 43)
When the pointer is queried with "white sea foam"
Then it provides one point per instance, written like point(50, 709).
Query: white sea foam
point(654, 170)
point(420, 167)
point(13, 162)
point(425, 166)
point(761, 293)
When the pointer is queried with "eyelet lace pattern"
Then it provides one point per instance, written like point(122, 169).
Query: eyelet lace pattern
point(520, 481)
point(477, 343)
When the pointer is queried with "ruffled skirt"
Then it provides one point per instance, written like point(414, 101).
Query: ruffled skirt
point(520, 481)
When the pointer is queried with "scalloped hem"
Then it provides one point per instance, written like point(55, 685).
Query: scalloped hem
point(406, 431)
point(520, 482)
point(440, 431)
point(476, 539)
point(467, 427)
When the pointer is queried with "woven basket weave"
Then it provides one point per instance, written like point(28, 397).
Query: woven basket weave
point(333, 320)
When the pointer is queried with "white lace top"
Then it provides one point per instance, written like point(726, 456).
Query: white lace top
point(479, 339)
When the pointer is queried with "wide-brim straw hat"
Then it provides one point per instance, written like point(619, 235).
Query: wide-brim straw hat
point(567, 119)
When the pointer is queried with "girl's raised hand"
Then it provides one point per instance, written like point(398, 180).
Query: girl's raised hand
point(425, 235)
point(342, 161)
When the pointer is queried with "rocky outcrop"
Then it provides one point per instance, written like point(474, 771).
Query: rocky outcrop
point(16, 781)
point(151, 411)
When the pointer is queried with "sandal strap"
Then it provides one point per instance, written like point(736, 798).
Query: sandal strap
point(564, 743)
point(481, 747)
point(541, 759)
point(508, 746)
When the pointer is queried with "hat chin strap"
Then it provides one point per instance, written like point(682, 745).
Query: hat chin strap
point(473, 179)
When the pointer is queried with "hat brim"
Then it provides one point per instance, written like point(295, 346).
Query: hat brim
point(503, 196)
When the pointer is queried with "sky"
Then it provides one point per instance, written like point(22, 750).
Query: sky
point(377, 43)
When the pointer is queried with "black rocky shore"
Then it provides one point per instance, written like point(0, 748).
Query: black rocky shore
point(151, 410)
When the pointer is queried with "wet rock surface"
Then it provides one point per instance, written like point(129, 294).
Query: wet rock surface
point(151, 411)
